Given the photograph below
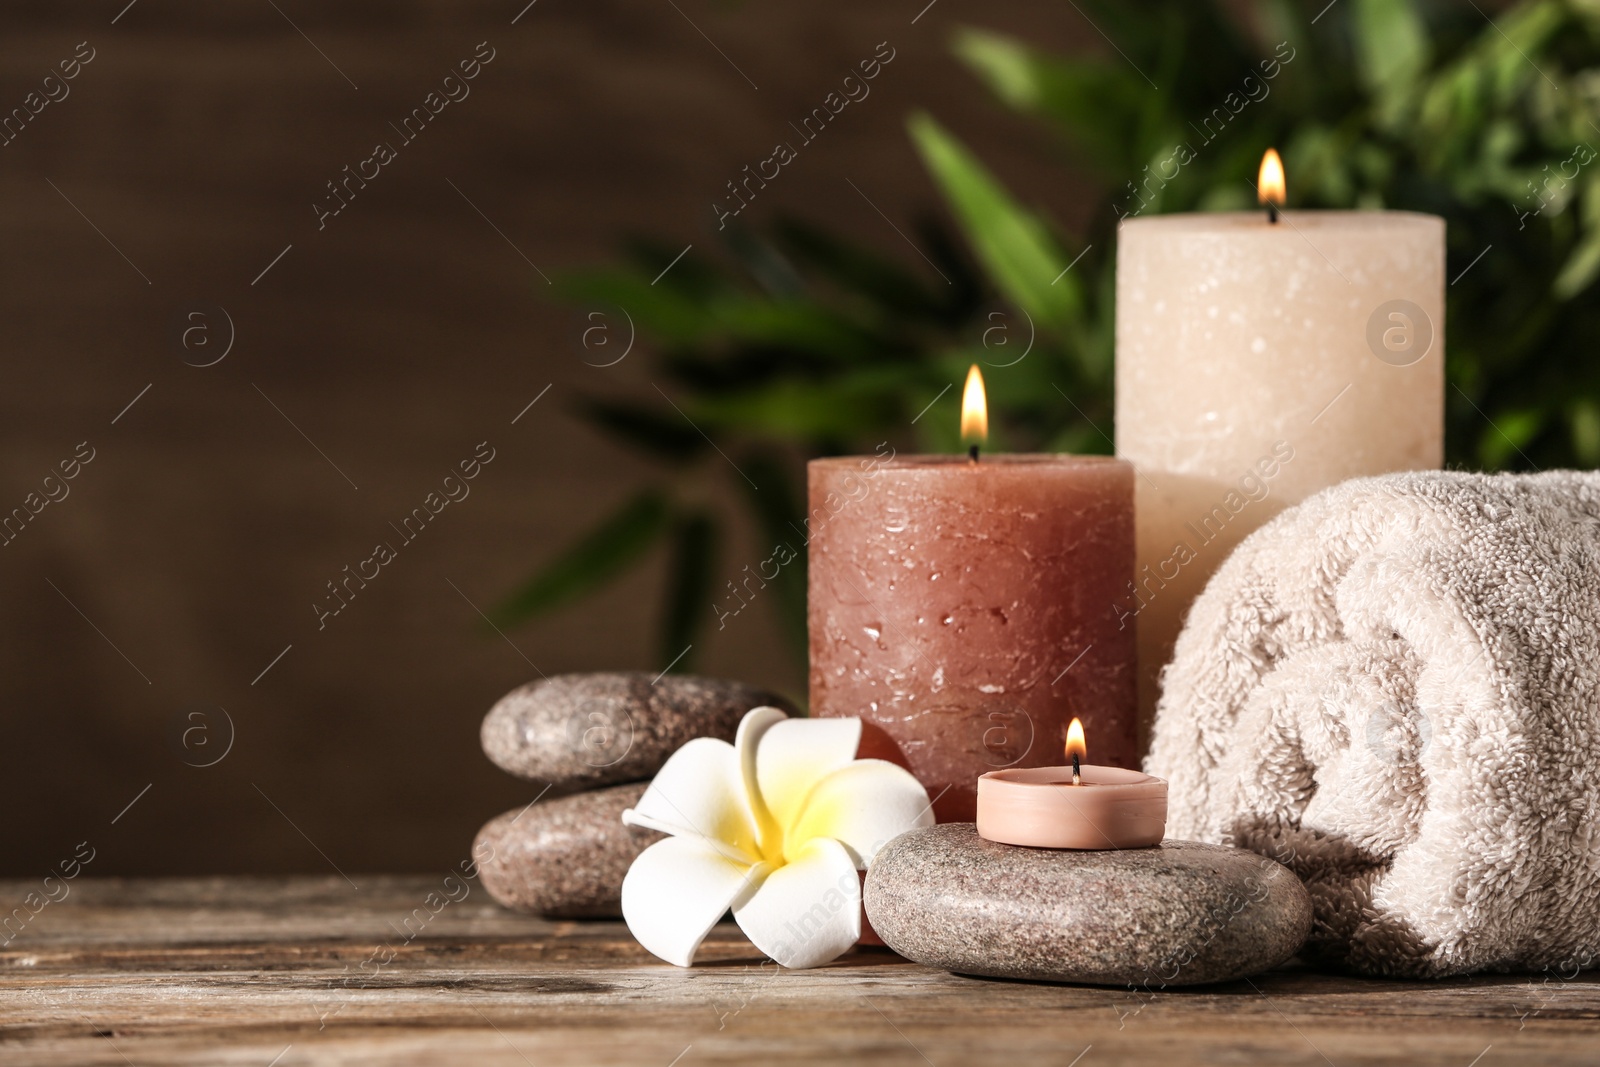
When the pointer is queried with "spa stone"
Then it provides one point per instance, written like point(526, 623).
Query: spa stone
point(579, 731)
point(1180, 913)
point(564, 858)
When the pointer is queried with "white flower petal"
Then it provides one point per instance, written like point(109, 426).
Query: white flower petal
point(699, 792)
point(796, 754)
point(808, 911)
point(754, 726)
point(863, 806)
point(676, 891)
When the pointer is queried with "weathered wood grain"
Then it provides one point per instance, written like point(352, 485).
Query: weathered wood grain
point(243, 971)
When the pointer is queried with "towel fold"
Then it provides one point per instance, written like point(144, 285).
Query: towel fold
point(1394, 689)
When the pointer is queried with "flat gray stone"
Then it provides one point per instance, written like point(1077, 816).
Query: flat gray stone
point(564, 858)
point(579, 731)
point(1180, 913)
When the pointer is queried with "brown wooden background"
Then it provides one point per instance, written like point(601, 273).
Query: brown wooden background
point(396, 339)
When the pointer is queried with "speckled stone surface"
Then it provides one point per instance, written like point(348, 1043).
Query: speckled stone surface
point(578, 731)
point(563, 858)
point(1181, 913)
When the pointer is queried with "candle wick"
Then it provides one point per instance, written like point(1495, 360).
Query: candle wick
point(1272, 212)
point(972, 453)
point(1076, 770)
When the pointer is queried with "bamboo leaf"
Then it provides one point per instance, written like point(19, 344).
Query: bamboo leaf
point(1580, 269)
point(763, 262)
point(1502, 442)
point(1391, 43)
point(663, 434)
point(856, 270)
point(596, 558)
point(664, 313)
point(808, 410)
point(1023, 258)
point(1584, 418)
point(676, 268)
point(1583, 263)
point(1096, 104)
point(792, 323)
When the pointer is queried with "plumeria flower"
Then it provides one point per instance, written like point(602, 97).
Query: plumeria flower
point(774, 826)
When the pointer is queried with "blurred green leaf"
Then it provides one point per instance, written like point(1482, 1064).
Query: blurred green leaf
point(658, 432)
point(857, 272)
point(837, 408)
point(764, 262)
point(662, 312)
point(1580, 269)
point(593, 560)
point(1096, 104)
point(1016, 247)
point(1584, 418)
point(681, 271)
point(1391, 44)
point(792, 323)
point(1511, 432)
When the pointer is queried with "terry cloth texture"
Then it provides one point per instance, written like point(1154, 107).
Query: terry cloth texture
point(1394, 689)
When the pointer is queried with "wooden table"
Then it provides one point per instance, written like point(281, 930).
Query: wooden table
point(313, 970)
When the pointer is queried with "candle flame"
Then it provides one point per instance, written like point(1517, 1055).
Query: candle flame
point(1270, 186)
point(1076, 745)
point(974, 409)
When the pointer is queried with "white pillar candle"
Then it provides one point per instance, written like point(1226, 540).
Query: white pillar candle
point(1258, 362)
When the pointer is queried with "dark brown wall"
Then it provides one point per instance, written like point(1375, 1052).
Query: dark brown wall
point(190, 550)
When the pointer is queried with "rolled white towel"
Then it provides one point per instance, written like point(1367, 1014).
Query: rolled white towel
point(1394, 688)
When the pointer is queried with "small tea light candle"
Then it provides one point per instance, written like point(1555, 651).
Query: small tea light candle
point(1080, 806)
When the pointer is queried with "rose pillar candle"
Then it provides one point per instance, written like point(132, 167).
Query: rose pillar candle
point(964, 610)
point(1257, 363)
